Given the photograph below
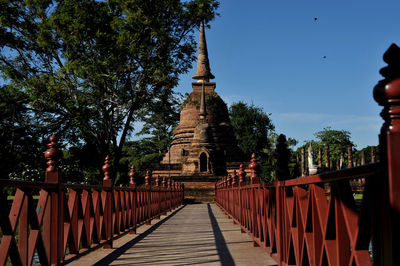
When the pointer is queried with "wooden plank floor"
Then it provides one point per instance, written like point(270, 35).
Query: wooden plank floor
point(197, 234)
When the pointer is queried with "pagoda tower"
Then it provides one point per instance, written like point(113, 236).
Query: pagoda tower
point(203, 142)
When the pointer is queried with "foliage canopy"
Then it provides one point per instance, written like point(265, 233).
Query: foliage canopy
point(87, 69)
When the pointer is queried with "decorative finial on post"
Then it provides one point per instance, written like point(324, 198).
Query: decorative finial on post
point(132, 174)
point(234, 179)
point(387, 94)
point(51, 154)
point(229, 180)
point(147, 180)
point(242, 176)
point(106, 168)
point(107, 181)
point(157, 181)
point(254, 167)
point(282, 159)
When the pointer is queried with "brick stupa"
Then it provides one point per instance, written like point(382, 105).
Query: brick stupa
point(203, 142)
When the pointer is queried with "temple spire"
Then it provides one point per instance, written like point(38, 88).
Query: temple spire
point(202, 112)
point(203, 65)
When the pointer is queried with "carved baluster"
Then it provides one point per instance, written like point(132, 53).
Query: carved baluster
point(242, 176)
point(234, 179)
point(53, 215)
point(106, 169)
point(108, 183)
point(386, 189)
point(132, 174)
point(254, 168)
point(164, 184)
point(147, 180)
point(157, 181)
point(132, 184)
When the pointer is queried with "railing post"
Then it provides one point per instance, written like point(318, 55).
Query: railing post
point(255, 179)
point(282, 155)
point(53, 237)
point(279, 221)
point(147, 180)
point(108, 193)
point(387, 94)
point(242, 182)
point(132, 185)
point(158, 197)
point(254, 168)
point(282, 173)
point(169, 194)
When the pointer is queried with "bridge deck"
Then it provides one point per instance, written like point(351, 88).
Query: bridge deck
point(195, 234)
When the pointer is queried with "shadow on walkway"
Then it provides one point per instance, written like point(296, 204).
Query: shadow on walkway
point(118, 252)
point(222, 248)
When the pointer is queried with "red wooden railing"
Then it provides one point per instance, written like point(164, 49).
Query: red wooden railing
point(70, 220)
point(300, 222)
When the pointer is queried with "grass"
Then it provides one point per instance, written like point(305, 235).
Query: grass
point(35, 197)
point(358, 196)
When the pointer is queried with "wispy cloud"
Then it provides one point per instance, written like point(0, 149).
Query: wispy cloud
point(334, 119)
point(302, 125)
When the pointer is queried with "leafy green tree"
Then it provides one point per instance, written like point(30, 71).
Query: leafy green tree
point(21, 151)
point(337, 141)
point(254, 132)
point(252, 128)
point(90, 67)
point(160, 118)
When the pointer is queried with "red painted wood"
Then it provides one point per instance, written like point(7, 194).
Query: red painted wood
point(68, 220)
point(295, 222)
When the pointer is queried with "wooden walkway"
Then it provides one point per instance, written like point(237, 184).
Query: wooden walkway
point(197, 234)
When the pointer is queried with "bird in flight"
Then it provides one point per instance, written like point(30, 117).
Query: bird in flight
point(315, 19)
point(324, 56)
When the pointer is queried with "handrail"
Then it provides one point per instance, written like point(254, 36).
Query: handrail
point(293, 219)
point(69, 220)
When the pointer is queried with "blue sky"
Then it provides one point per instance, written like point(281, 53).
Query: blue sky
point(271, 53)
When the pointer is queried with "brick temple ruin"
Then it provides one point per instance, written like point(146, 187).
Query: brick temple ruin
point(203, 147)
